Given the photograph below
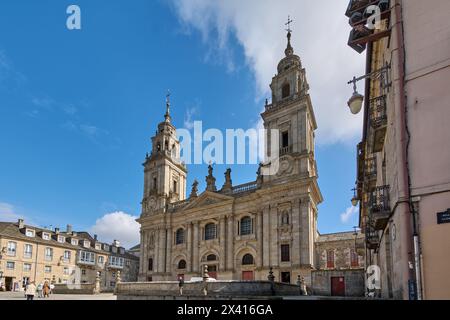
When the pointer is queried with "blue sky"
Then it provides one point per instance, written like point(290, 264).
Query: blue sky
point(78, 108)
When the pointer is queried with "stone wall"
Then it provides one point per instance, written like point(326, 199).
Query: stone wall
point(354, 282)
point(216, 290)
point(84, 288)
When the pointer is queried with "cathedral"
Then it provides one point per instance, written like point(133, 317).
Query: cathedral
point(240, 232)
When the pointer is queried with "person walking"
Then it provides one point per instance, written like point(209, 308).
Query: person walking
point(30, 291)
point(40, 287)
point(181, 285)
point(46, 290)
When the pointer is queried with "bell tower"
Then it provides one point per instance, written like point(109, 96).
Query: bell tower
point(164, 174)
point(292, 115)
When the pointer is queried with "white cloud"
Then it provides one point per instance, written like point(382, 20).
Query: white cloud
point(8, 213)
point(189, 118)
point(349, 214)
point(117, 226)
point(320, 38)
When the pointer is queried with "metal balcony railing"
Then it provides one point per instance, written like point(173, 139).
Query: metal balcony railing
point(370, 168)
point(379, 200)
point(378, 114)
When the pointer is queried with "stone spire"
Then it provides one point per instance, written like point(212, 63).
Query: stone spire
point(210, 180)
point(289, 50)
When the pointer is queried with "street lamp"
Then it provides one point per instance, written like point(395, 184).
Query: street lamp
point(356, 101)
point(355, 198)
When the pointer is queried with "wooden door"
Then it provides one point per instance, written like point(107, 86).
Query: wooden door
point(248, 276)
point(338, 286)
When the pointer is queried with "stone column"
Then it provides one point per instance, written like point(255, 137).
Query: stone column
point(144, 256)
point(195, 244)
point(266, 233)
point(305, 227)
point(189, 247)
point(161, 249)
point(230, 238)
point(169, 251)
point(141, 253)
point(222, 241)
point(259, 239)
point(296, 233)
point(274, 247)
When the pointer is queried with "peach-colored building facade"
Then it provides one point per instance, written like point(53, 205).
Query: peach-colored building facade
point(404, 158)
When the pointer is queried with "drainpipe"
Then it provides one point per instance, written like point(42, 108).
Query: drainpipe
point(410, 216)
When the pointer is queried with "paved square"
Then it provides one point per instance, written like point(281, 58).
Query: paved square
point(21, 296)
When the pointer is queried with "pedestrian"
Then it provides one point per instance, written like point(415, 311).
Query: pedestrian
point(40, 287)
point(52, 286)
point(180, 285)
point(30, 291)
point(46, 290)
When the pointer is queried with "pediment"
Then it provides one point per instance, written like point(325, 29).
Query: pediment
point(207, 198)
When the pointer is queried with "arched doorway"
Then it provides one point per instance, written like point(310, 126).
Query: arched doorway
point(212, 261)
point(248, 263)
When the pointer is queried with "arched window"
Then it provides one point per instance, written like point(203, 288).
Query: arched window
point(246, 226)
point(285, 218)
point(179, 237)
point(182, 264)
point(211, 257)
point(286, 91)
point(247, 260)
point(210, 231)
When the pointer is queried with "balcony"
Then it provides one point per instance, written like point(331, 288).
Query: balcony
point(379, 206)
point(358, 13)
point(286, 150)
point(370, 170)
point(378, 121)
point(372, 238)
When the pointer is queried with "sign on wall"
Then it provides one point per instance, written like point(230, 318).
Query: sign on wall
point(443, 217)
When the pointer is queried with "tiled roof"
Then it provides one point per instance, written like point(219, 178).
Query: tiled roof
point(12, 230)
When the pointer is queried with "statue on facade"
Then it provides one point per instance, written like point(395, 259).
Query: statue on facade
point(228, 184)
point(210, 180)
point(194, 191)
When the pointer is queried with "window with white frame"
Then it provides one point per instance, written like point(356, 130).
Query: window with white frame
point(46, 236)
point(86, 244)
point(29, 233)
point(12, 248)
point(27, 267)
point(27, 251)
point(61, 239)
point(67, 255)
point(48, 269)
point(116, 261)
point(74, 242)
point(101, 259)
point(66, 271)
point(10, 265)
point(98, 246)
point(87, 257)
point(49, 254)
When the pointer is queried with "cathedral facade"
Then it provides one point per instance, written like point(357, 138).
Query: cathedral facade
point(239, 232)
